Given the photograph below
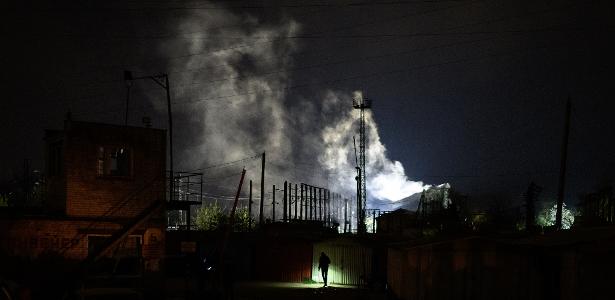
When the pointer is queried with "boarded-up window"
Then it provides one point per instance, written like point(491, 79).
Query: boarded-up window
point(114, 161)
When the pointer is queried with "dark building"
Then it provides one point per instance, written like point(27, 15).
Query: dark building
point(105, 190)
point(400, 222)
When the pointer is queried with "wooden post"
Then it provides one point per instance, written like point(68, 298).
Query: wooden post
point(250, 207)
point(260, 216)
point(345, 214)
point(273, 205)
point(285, 202)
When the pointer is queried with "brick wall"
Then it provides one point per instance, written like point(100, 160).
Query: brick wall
point(35, 237)
point(88, 194)
point(90, 203)
point(55, 196)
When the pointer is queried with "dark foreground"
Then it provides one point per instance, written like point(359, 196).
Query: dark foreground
point(283, 290)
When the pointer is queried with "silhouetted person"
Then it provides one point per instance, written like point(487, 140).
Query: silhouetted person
point(323, 266)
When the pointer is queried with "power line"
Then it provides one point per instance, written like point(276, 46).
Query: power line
point(354, 77)
point(344, 61)
point(368, 75)
point(219, 7)
point(226, 163)
point(547, 29)
point(274, 40)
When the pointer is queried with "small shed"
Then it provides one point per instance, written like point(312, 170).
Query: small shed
point(398, 222)
point(351, 261)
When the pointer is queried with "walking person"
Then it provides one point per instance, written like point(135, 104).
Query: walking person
point(323, 266)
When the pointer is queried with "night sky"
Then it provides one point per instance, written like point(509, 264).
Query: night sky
point(467, 92)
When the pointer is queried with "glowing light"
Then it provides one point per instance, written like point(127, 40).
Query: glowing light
point(547, 217)
point(386, 179)
point(392, 184)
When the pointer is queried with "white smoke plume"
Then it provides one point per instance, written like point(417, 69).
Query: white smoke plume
point(236, 102)
point(386, 179)
point(231, 102)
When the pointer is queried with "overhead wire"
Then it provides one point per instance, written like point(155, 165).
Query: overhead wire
point(363, 76)
point(227, 163)
point(385, 55)
point(276, 39)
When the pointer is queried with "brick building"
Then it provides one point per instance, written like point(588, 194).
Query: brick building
point(105, 195)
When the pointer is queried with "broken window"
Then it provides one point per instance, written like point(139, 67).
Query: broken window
point(114, 161)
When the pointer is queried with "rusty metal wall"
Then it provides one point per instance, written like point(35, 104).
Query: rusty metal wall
point(283, 260)
point(476, 268)
point(351, 262)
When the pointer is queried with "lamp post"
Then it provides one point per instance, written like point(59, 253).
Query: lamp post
point(163, 81)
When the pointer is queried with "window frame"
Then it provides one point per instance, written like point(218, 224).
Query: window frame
point(106, 148)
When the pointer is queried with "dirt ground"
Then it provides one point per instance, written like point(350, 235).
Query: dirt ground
point(282, 290)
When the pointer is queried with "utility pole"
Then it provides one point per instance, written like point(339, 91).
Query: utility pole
point(562, 170)
point(345, 214)
point(158, 79)
point(260, 215)
point(231, 222)
point(273, 203)
point(285, 202)
point(250, 207)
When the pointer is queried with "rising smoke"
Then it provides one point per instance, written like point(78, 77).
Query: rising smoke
point(236, 99)
point(386, 179)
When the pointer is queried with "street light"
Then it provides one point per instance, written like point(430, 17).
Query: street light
point(163, 81)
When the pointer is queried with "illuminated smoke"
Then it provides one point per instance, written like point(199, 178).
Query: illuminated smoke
point(235, 100)
point(228, 96)
point(386, 179)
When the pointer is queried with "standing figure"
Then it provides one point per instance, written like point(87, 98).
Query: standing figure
point(323, 266)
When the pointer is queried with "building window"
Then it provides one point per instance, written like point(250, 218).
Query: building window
point(114, 161)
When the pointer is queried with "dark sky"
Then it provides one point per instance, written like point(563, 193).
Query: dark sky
point(466, 92)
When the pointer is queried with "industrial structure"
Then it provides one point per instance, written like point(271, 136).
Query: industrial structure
point(362, 104)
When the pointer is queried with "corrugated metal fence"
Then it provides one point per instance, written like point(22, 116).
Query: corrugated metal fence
point(476, 268)
point(283, 260)
point(351, 261)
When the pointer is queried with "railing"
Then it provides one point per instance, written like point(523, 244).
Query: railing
point(187, 187)
point(188, 190)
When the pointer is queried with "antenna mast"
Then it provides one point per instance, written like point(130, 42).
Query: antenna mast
point(361, 103)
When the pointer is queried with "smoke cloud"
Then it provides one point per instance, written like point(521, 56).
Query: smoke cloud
point(232, 91)
point(386, 179)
